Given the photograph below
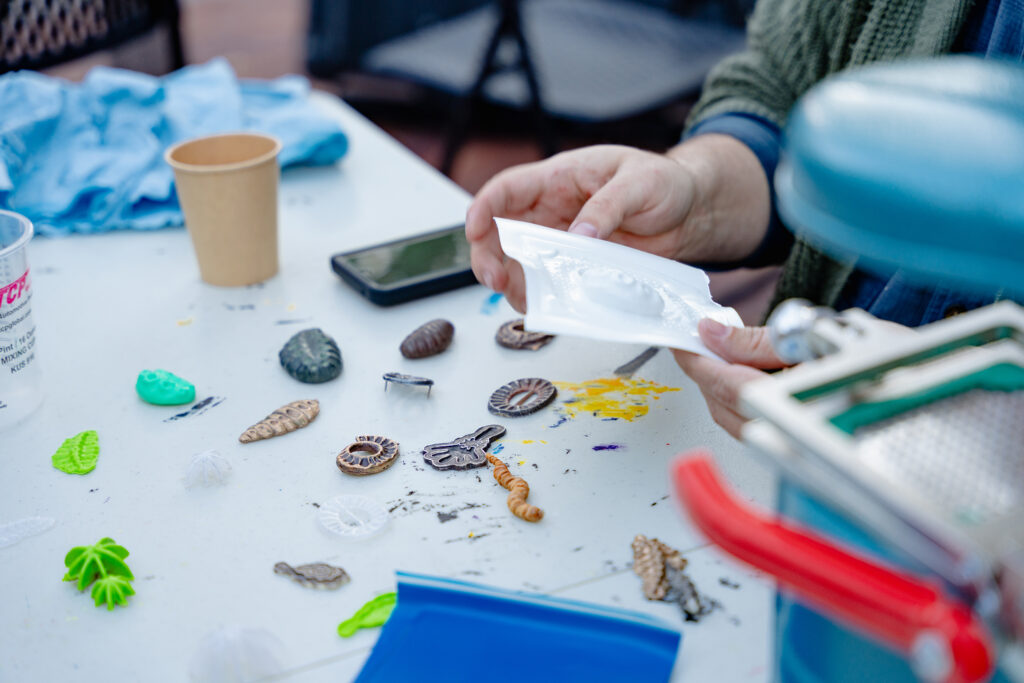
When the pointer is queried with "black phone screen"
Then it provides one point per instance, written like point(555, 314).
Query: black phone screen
point(412, 259)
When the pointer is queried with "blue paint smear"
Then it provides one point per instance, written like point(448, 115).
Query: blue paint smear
point(490, 304)
point(607, 447)
point(608, 419)
point(562, 419)
point(498, 449)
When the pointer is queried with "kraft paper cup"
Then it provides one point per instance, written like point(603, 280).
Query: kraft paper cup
point(227, 187)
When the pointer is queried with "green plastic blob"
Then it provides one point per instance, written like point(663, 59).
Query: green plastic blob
point(87, 563)
point(163, 388)
point(78, 454)
point(112, 590)
point(374, 613)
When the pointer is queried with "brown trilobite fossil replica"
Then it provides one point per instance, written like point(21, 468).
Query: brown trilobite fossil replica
point(295, 415)
point(429, 339)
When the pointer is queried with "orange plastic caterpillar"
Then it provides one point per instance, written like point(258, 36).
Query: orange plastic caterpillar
point(518, 490)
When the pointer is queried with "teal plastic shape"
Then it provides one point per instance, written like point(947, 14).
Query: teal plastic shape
point(102, 562)
point(372, 614)
point(78, 454)
point(163, 388)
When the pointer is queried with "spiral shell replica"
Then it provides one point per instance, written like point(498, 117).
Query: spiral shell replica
point(512, 335)
point(368, 455)
point(429, 339)
point(311, 356)
point(316, 575)
point(518, 490)
point(288, 418)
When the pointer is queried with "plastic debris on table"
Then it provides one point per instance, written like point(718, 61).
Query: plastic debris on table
point(208, 468)
point(20, 529)
point(236, 654)
point(102, 563)
point(353, 516)
point(547, 638)
point(78, 454)
point(163, 388)
point(374, 613)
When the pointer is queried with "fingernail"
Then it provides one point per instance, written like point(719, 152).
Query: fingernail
point(584, 229)
point(712, 328)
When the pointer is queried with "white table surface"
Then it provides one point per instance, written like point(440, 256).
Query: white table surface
point(108, 306)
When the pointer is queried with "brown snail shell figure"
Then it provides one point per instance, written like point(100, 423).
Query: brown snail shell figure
point(512, 335)
point(368, 455)
point(429, 339)
point(288, 418)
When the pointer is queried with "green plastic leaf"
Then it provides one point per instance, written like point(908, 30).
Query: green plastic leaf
point(112, 590)
point(373, 613)
point(87, 562)
point(78, 454)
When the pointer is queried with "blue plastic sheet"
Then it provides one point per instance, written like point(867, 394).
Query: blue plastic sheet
point(88, 157)
point(452, 631)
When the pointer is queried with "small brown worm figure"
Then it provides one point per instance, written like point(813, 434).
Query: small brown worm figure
point(518, 490)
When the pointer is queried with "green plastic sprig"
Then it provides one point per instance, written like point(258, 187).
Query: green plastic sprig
point(102, 562)
point(78, 454)
point(373, 613)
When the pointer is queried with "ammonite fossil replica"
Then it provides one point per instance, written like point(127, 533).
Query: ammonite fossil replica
point(368, 455)
point(399, 378)
point(518, 490)
point(512, 335)
point(429, 339)
point(521, 397)
point(311, 357)
point(316, 575)
point(464, 452)
point(288, 418)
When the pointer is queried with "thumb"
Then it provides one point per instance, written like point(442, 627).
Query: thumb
point(744, 345)
point(605, 210)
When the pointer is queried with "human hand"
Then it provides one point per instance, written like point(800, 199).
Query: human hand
point(705, 200)
point(746, 353)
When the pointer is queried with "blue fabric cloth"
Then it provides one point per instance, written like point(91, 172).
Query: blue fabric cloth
point(764, 139)
point(88, 157)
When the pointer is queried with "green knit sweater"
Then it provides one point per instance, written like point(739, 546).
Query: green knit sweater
point(793, 44)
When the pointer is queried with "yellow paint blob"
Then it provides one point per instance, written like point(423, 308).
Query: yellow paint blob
point(529, 441)
point(626, 399)
point(183, 323)
point(521, 462)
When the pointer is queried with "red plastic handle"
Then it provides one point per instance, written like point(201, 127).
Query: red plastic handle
point(895, 608)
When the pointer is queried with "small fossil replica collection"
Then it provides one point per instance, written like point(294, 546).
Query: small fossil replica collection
point(288, 418)
point(521, 397)
point(399, 378)
point(512, 335)
point(429, 339)
point(316, 575)
point(311, 356)
point(661, 569)
point(518, 490)
point(464, 452)
point(368, 455)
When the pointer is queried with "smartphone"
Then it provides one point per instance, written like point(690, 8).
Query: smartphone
point(408, 268)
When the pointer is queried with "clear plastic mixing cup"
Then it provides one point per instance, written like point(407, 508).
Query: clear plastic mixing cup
point(21, 387)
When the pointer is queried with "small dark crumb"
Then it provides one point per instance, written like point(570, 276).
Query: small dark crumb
point(93, 490)
point(568, 451)
point(534, 465)
point(410, 493)
point(665, 497)
point(734, 621)
point(577, 549)
point(392, 509)
point(447, 516)
point(473, 572)
point(654, 503)
point(316, 505)
point(728, 583)
point(478, 478)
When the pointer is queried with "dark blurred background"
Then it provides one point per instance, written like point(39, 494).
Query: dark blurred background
point(471, 86)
